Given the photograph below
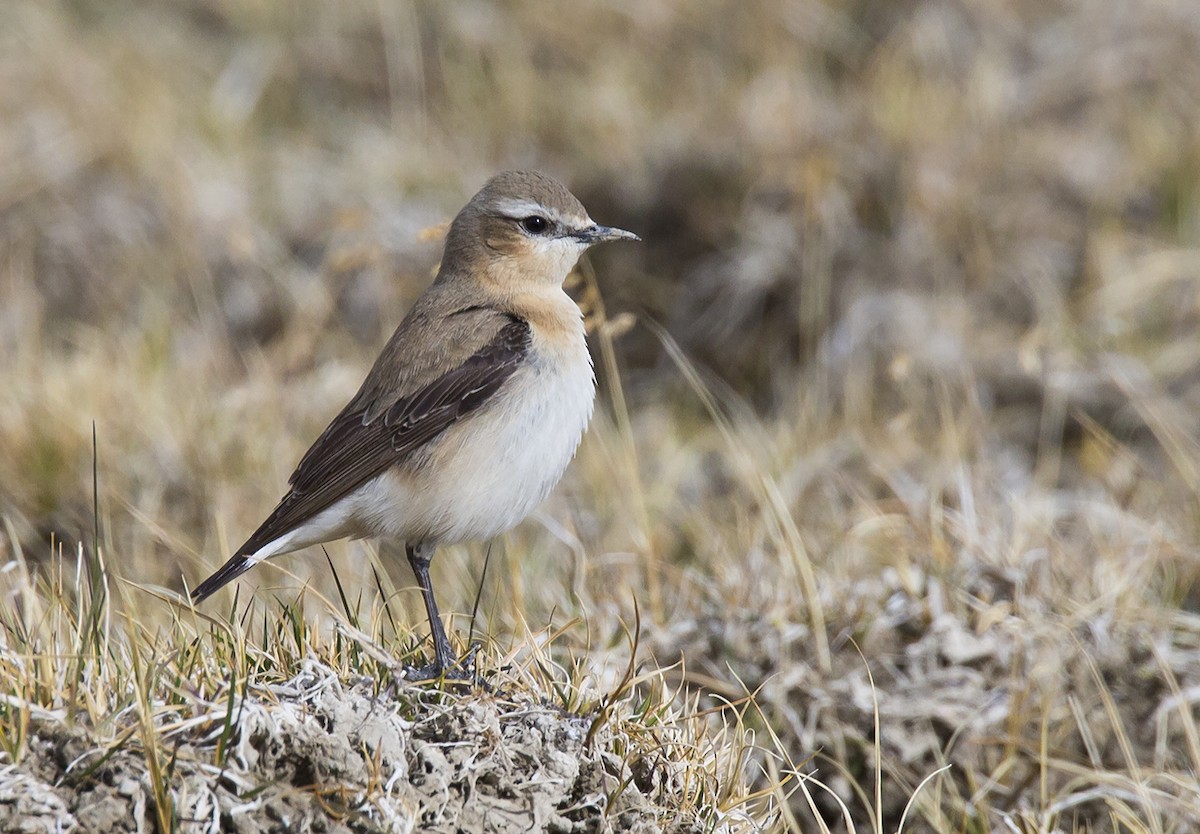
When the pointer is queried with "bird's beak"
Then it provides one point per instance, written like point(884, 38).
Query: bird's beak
point(599, 234)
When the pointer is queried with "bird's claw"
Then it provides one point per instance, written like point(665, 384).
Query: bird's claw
point(461, 671)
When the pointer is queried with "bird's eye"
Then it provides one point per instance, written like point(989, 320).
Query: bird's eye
point(535, 225)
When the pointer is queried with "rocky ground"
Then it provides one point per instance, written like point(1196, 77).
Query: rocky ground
point(318, 754)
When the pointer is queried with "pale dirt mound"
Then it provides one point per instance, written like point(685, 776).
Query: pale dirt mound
point(320, 755)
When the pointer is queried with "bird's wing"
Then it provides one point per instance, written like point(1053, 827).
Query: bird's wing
point(375, 432)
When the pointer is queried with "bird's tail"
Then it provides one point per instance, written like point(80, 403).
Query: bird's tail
point(229, 571)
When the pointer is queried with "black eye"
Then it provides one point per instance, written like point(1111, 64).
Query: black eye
point(535, 225)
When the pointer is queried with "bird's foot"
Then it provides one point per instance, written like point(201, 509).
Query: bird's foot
point(461, 671)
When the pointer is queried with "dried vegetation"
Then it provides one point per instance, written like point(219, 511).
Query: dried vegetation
point(890, 514)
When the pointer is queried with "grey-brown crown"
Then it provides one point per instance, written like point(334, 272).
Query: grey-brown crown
point(508, 191)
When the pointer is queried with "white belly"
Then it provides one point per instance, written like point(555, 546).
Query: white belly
point(490, 472)
point(487, 473)
point(483, 476)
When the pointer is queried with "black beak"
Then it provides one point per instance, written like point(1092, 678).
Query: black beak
point(599, 234)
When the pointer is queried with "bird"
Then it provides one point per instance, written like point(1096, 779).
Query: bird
point(473, 409)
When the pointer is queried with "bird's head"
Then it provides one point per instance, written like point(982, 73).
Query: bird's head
point(526, 226)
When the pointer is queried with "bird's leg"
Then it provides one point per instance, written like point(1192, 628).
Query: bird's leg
point(419, 557)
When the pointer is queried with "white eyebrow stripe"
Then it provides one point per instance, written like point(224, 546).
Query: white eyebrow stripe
point(511, 207)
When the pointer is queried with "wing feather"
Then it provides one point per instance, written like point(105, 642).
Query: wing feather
point(363, 441)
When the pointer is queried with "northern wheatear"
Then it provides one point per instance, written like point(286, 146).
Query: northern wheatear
point(474, 408)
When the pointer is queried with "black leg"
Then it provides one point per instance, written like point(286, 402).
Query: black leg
point(419, 557)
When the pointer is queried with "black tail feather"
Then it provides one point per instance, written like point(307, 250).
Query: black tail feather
point(229, 571)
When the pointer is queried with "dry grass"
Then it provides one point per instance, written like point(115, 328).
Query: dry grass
point(206, 722)
point(906, 477)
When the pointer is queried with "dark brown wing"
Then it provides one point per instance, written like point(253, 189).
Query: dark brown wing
point(353, 449)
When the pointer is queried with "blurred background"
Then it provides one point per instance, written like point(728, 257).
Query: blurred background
point(910, 355)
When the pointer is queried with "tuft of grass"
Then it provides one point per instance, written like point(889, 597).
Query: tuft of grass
point(182, 708)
